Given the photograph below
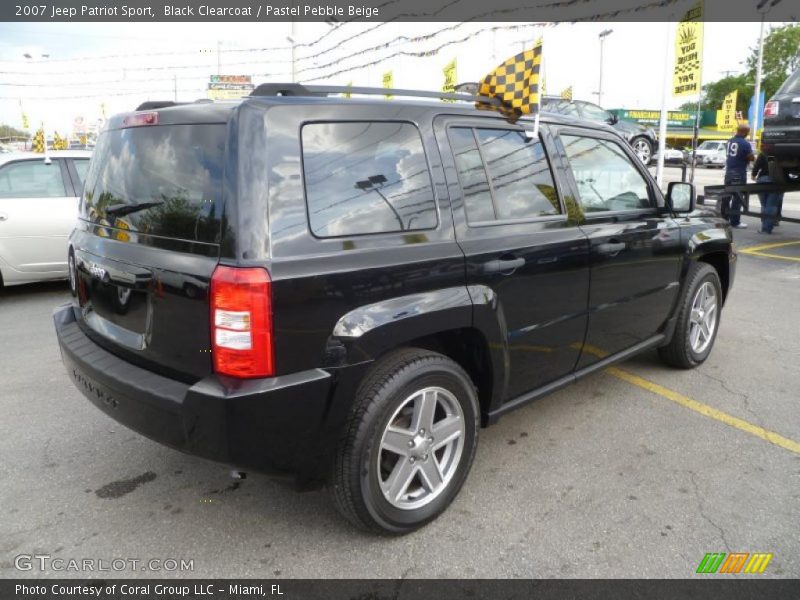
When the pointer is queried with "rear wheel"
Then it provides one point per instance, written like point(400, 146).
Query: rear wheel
point(698, 319)
point(409, 443)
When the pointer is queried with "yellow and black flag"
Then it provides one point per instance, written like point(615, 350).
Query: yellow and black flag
point(566, 94)
point(515, 83)
point(39, 142)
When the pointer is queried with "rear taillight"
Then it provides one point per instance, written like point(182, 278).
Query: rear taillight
point(140, 119)
point(241, 322)
point(771, 108)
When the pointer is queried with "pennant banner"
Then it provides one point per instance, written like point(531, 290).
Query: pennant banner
point(687, 71)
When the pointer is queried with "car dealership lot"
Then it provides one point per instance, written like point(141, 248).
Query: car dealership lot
point(635, 472)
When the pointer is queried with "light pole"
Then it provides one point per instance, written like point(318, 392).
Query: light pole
point(757, 117)
point(603, 35)
point(373, 183)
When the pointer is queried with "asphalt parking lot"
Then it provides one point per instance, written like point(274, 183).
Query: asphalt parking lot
point(635, 472)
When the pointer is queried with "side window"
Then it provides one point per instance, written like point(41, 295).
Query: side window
point(31, 179)
point(520, 175)
point(472, 175)
point(366, 177)
point(562, 107)
point(606, 178)
point(81, 167)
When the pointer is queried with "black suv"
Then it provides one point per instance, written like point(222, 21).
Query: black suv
point(781, 136)
point(642, 139)
point(344, 290)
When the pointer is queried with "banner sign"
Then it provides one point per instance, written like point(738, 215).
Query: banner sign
point(686, 73)
point(726, 115)
point(450, 78)
point(652, 117)
point(388, 81)
point(229, 87)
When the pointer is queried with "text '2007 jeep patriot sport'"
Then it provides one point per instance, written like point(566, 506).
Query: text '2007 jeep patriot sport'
point(344, 290)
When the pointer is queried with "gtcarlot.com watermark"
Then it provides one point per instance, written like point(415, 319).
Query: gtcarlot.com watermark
point(45, 562)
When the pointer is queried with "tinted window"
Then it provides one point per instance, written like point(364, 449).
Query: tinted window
point(520, 175)
point(562, 107)
point(606, 178)
point(164, 180)
point(31, 179)
point(81, 167)
point(366, 177)
point(594, 112)
point(471, 175)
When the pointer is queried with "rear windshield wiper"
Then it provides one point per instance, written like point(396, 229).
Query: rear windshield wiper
point(119, 210)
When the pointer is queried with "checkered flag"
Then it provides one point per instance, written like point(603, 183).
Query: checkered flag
point(38, 141)
point(566, 94)
point(516, 83)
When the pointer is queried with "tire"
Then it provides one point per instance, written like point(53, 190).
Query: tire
point(692, 342)
point(643, 149)
point(391, 394)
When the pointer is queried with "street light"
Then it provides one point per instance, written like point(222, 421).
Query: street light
point(373, 183)
point(603, 35)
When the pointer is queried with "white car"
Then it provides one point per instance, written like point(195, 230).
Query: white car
point(671, 155)
point(710, 153)
point(38, 209)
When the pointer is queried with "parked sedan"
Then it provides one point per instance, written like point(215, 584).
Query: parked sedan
point(38, 210)
point(671, 156)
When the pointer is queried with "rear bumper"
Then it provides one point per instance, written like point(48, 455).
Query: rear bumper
point(280, 425)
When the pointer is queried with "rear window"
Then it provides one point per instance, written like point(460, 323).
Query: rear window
point(366, 177)
point(791, 85)
point(164, 181)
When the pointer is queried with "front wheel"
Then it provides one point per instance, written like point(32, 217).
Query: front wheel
point(409, 443)
point(643, 149)
point(698, 319)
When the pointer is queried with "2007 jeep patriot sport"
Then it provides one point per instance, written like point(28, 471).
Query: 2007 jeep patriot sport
point(344, 290)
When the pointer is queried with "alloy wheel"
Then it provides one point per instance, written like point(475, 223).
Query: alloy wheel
point(703, 318)
point(421, 448)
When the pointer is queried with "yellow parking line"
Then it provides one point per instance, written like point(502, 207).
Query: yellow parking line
point(759, 250)
point(768, 255)
point(706, 410)
point(770, 246)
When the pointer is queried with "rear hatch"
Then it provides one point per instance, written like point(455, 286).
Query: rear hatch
point(782, 113)
point(148, 241)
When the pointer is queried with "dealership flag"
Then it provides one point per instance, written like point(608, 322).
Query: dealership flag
point(686, 73)
point(566, 94)
point(516, 83)
point(39, 144)
point(726, 115)
point(388, 82)
point(450, 79)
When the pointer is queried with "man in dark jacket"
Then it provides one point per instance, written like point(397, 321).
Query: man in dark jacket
point(739, 153)
point(770, 201)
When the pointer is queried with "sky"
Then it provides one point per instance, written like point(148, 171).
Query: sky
point(91, 67)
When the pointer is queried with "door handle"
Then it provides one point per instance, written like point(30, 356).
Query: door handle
point(504, 266)
point(611, 248)
point(3, 216)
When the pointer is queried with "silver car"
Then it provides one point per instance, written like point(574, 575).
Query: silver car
point(38, 209)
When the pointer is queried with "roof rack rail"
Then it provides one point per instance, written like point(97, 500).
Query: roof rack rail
point(156, 104)
point(296, 89)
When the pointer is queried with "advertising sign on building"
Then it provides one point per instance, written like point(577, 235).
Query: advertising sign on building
point(229, 87)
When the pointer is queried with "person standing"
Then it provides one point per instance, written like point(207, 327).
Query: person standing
point(739, 152)
point(770, 201)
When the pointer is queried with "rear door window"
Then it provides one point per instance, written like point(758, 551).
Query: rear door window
point(32, 179)
point(81, 168)
point(504, 175)
point(366, 177)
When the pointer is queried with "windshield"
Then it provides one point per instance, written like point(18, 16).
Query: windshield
point(791, 85)
point(164, 181)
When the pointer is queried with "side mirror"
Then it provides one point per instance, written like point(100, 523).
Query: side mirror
point(681, 197)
